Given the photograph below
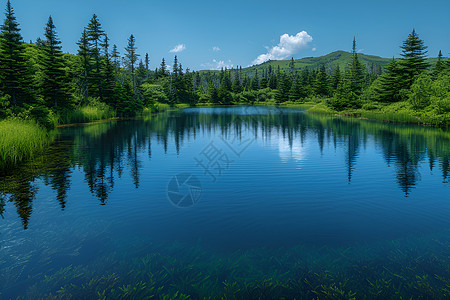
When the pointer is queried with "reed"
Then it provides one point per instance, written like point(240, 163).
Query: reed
point(21, 139)
point(86, 114)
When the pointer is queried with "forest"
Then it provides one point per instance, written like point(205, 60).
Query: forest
point(42, 87)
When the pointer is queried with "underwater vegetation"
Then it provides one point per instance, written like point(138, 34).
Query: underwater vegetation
point(413, 268)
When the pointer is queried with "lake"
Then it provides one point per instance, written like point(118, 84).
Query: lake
point(243, 202)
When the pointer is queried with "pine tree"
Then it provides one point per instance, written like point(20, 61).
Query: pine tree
point(115, 56)
point(236, 86)
point(223, 93)
point(163, 68)
point(283, 87)
point(254, 84)
point(95, 35)
point(147, 62)
point(391, 82)
point(336, 79)
point(356, 74)
point(272, 82)
point(141, 73)
point(54, 84)
point(296, 92)
point(131, 58)
point(14, 77)
point(175, 69)
point(292, 65)
point(321, 86)
point(413, 61)
point(440, 65)
point(109, 81)
point(85, 56)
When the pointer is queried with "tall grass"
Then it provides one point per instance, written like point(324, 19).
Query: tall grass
point(21, 139)
point(86, 114)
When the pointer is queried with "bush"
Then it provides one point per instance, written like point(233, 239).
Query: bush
point(420, 92)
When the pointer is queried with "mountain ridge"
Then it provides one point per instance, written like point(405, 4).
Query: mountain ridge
point(331, 61)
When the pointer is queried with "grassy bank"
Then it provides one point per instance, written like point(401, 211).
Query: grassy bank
point(21, 139)
point(400, 112)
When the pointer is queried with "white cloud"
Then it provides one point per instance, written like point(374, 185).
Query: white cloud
point(216, 48)
point(178, 48)
point(288, 45)
point(314, 49)
point(218, 64)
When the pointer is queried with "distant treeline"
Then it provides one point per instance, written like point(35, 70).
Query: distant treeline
point(39, 81)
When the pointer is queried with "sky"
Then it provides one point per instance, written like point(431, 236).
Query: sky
point(216, 34)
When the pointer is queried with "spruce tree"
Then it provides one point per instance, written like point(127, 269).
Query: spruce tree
point(413, 61)
point(163, 68)
point(440, 65)
point(336, 79)
point(283, 87)
point(131, 58)
point(391, 81)
point(141, 73)
point(115, 57)
point(223, 93)
point(108, 75)
point(54, 84)
point(356, 74)
point(236, 86)
point(254, 84)
point(14, 77)
point(321, 85)
point(85, 56)
point(296, 92)
point(95, 37)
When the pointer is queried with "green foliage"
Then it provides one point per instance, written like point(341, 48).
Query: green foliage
point(153, 94)
point(420, 92)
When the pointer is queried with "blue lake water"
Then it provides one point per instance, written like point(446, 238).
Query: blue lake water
point(264, 198)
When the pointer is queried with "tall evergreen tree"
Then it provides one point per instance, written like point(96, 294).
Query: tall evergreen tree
point(390, 83)
point(131, 58)
point(297, 91)
point(283, 87)
point(14, 77)
point(109, 80)
point(163, 68)
point(85, 56)
point(147, 62)
point(223, 92)
point(356, 74)
point(254, 84)
point(336, 79)
point(54, 84)
point(95, 35)
point(440, 64)
point(321, 85)
point(115, 56)
point(413, 61)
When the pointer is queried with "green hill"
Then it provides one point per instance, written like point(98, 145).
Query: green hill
point(331, 61)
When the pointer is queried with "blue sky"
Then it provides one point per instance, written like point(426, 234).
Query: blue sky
point(243, 32)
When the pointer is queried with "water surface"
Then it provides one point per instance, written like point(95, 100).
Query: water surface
point(262, 191)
